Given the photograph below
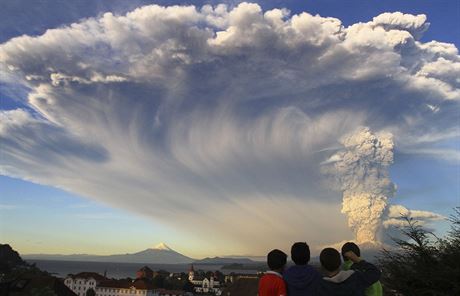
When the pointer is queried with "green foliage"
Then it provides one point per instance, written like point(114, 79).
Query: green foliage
point(175, 284)
point(24, 271)
point(166, 282)
point(188, 286)
point(9, 259)
point(159, 281)
point(424, 265)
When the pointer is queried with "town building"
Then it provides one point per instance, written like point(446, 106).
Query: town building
point(203, 284)
point(164, 292)
point(144, 272)
point(138, 287)
point(80, 283)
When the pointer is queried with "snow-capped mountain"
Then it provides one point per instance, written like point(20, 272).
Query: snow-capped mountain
point(160, 254)
point(162, 246)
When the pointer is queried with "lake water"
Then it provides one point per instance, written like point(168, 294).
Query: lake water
point(119, 270)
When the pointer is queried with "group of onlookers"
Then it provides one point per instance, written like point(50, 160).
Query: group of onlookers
point(354, 277)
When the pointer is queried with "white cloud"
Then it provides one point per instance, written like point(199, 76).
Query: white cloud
point(416, 25)
point(396, 216)
point(438, 153)
point(189, 115)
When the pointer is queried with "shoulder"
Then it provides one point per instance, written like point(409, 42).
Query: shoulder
point(292, 271)
point(291, 268)
point(313, 271)
point(365, 278)
point(289, 271)
point(271, 277)
point(363, 264)
point(277, 279)
point(267, 277)
point(272, 280)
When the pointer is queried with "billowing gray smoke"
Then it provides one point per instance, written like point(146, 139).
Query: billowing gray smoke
point(360, 171)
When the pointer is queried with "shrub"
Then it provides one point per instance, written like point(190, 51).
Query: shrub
point(423, 264)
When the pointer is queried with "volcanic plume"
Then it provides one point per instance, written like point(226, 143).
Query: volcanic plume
point(360, 171)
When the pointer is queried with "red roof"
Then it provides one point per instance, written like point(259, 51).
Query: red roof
point(145, 268)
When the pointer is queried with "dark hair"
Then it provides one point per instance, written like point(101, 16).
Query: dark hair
point(300, 253)
point(276, 259)
point(330, 259)
point(350, 246)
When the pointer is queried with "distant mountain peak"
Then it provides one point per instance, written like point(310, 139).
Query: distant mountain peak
point(162, 246)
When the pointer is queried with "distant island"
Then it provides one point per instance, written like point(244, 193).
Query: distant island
point(224, 261)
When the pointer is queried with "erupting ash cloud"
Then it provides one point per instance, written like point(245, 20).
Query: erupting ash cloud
point(361, 173)
point(218, 119)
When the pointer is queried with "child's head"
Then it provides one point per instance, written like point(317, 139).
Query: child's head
point(276, 259)
point(349, 246)
point(330, 259)
point(300, 253)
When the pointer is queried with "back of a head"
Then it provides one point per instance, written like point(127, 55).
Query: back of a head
point(276, 259)
point(350, 246)
point(330, 259)
point(300, 253)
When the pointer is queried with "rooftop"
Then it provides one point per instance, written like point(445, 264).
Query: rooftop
point(139, 284)
point(88, 275)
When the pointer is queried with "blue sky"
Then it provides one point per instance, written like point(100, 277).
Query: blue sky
point(35, 215)
point(442, 14)
point(131, 179)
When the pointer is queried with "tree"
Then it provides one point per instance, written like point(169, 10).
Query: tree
point(188, 286)
point(9, 259)
point(423, 265)
point(159, 281)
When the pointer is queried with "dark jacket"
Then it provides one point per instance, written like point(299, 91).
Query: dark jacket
point(350, 282)
point(373, 290)
point(301, 280)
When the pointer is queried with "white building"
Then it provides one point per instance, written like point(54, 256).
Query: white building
point(137, 287)
point(82, 282)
